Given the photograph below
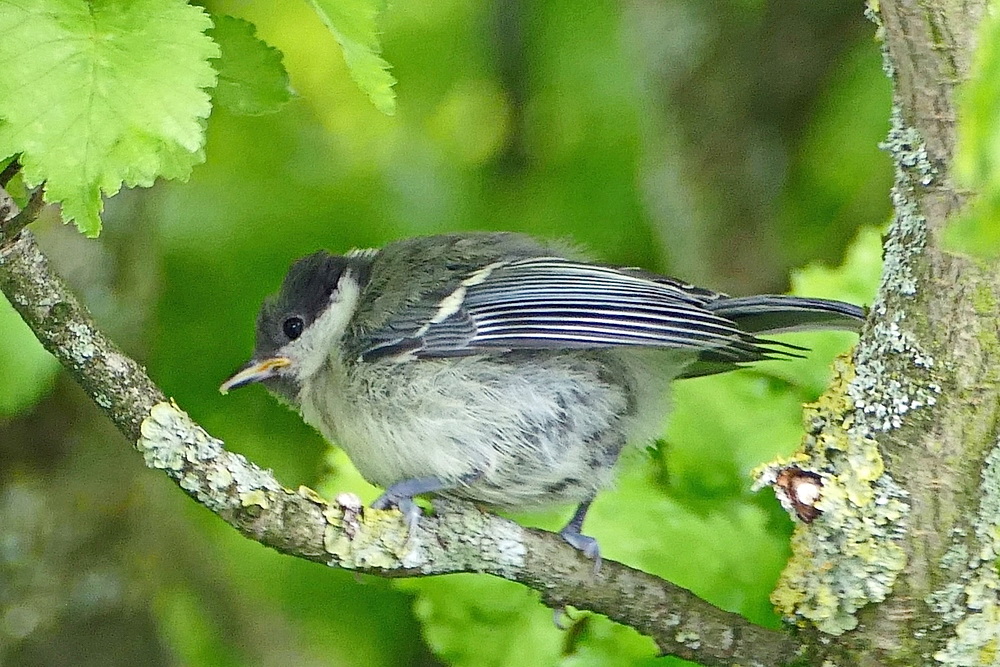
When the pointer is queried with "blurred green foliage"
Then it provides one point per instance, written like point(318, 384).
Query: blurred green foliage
point(723, 141)
point(26, 369)
point(976, 231)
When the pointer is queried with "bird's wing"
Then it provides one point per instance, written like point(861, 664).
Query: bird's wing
point(554, 303)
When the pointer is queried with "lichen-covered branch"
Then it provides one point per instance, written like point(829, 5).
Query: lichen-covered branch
point(342, 533)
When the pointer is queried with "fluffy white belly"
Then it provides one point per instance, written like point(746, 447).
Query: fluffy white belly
point(536, 427)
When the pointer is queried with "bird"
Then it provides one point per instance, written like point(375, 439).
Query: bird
point(498, 368)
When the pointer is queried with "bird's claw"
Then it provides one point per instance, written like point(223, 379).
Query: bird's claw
point(561, 618)
point(410, 510)
point(584, 544)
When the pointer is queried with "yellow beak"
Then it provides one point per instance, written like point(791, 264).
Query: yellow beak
point(255, 371)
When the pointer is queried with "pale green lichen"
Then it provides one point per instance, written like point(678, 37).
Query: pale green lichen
point(688, 638)
point(485, 542)
point(977, 635)
point(254, 498)
point(908, 149)
point(363, 539)
point(311, 495)
point(169, 438)
point(467, 539)
point(947, 602)
point(908, 231)
point(851, 554)
point(81, 343)
point(882, 395)
point(219, 478)
point(957, 555)
point(885, 390)
point(874, 14)
point(189, 482)
point(170, 441)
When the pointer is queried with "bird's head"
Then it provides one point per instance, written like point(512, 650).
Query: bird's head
point(299, 326)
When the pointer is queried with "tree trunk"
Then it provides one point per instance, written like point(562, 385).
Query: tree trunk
point(924, 401)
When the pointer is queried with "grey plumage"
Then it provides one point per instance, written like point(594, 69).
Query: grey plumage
point(498, 369)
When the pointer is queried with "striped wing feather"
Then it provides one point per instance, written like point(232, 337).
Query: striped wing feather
point(553, 303)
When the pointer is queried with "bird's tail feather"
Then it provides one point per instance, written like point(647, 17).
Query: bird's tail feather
point(774, 313)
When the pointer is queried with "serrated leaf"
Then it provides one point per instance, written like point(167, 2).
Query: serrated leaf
point(354, 25)
point(103, 93)
point(252, 80)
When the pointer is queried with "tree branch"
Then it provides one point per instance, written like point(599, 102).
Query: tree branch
point(6, 174)
point(343, 533)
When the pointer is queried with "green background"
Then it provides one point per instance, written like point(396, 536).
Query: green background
point(727, 143)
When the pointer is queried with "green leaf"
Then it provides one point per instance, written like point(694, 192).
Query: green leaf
point(26, 369)
point(99, 94)
point(466, 617)
point(353, 24)
point(252, 80)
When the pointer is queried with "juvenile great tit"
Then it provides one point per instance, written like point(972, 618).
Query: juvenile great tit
point(499, 369)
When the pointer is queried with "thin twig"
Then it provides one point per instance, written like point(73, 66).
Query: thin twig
point(11, 225)
point(8, 173)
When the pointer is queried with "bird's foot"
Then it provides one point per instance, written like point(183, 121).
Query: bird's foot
point(410, 510)
point(583, 543)
point(561, 618)
point(400, 496)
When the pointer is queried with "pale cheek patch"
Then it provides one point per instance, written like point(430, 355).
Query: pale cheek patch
point(311, 350)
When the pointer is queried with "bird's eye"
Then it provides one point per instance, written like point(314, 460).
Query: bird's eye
point(293, 327)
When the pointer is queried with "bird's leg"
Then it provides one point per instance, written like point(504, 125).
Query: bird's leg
point(400, 494)
point(583, 543)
